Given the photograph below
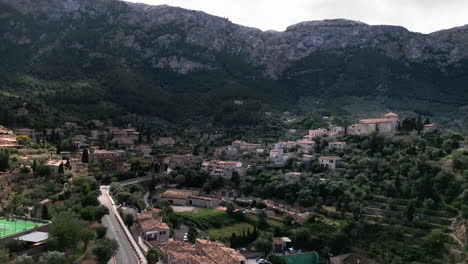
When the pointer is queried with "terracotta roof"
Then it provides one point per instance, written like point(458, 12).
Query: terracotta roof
point(330, 157)
point(206, 198)
point(152, 224)
point(281, 240)
point(305, 141)
point(390, 115)
point(202, 252)
point(377, 120)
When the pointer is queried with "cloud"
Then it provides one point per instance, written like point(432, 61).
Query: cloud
point(417, 15)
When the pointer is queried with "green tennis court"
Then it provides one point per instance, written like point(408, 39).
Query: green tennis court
point(8, 227)
point(302, 258)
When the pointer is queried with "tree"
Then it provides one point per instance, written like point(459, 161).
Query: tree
point(61, 169)
point(4, 255)
point(129, 219)
point(100, 212)
point(45, 212)
point(4, 160)
point(87, 235)
point(410, 211)
point(264, 243)
point(16, 200)
point(288, 220)
point(59, 148)
point(67, 229)
point(235, 178)
point(192, 233)
point(262, 220)
point(101, 231)
point(53, 257)
point(152, 256)
point(25, 259)
point(85, 156)
point(105, 249)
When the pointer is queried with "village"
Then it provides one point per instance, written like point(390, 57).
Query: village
point(167, 199)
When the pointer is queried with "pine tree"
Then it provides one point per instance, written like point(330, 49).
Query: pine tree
point(34, 166)
point(233, 240)
point(45, 212)
point(59, 148)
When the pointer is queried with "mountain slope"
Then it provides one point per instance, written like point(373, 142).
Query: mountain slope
point(108, 57)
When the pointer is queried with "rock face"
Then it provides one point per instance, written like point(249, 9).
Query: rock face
point(157, 34)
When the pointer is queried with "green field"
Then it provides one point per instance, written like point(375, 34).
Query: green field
point(8, 227)
point(223, 234)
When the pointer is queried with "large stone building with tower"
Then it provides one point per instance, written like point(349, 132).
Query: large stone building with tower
point(388, 125)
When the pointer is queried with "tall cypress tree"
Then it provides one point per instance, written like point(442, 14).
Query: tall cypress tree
point(85, 156)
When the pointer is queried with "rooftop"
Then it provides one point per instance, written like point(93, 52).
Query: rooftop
point(34, 237)
point(377, 120)
point(330, 157)
point(152, 224)
point(281, 240)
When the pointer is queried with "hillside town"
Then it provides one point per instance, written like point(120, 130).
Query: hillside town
point(238, 203)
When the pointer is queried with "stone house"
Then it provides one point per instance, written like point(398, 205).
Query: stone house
point(319, 132)
point(107, 160)
point(337, 145)
point(388, 125)
point(280, 244)
point(335, 131)
point(187, 160)
point(306, 146)
point(428, 128)
point(177, 196)
point(285, 144)
point(331, 162)
point(227, 151)
point(279, 157)
point(188, 197)
point(203, 201)
point(165, 141)
point(151, 227)
point(54, 165)
point(223, 168)
point(242, 145)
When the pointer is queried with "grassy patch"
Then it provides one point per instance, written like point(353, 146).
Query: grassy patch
point(206, 218)
point(223, 234)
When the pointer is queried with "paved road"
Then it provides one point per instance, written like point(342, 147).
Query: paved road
point(125, 255)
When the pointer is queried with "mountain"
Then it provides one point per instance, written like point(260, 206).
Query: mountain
point(102, 58)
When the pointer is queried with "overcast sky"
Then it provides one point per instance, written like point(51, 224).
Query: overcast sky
point(417, 15)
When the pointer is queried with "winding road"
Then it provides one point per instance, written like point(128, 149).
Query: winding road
point(125, 254)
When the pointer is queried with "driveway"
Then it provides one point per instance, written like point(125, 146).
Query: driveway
point(180, 232)
point(180, 209)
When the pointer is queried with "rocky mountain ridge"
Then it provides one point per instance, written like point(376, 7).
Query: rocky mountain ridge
point(271, 50)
